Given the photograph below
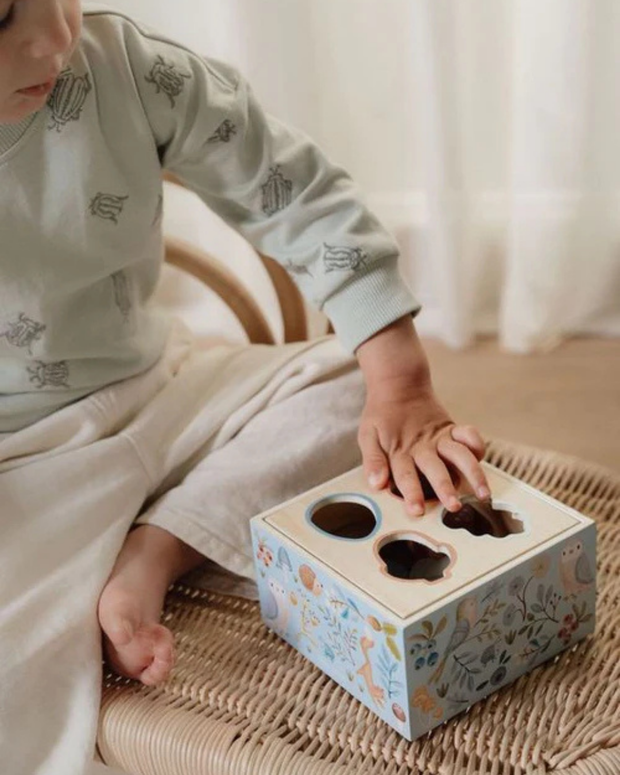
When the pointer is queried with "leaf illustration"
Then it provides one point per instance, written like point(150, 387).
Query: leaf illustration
point(389, 628)
point(354, 607)
point(393, 648)
point(428, 628)
point(442, 625)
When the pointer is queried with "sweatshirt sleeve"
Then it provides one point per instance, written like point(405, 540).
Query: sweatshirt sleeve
point(270, 183)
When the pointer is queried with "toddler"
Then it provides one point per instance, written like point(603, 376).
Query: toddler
point(92, 108)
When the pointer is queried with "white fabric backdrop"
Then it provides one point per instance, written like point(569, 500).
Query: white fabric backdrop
point(484, 132)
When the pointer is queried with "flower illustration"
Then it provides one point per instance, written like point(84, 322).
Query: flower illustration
point(509, 615)
point(565, 635)
point(515, 586)
point(570, 623)
point(488, 655)
point(498, 676)
point(540, 565)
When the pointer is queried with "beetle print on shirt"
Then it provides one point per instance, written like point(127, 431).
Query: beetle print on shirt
point(338, 259)
point(107, 206)
point(167, 78)
point(122, 298)
point(49, 374)
point(23, 332)
point(67, 99)
point(277, 192)
point(223, 133)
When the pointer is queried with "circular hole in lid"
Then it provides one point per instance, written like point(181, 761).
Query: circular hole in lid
point(345, 516)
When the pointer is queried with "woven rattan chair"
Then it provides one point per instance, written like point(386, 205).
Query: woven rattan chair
point(241, 701)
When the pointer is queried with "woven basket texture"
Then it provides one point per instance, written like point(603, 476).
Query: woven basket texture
point(241, 701)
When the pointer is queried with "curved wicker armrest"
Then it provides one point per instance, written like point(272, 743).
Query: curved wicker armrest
point(291, 301)
point(216, 276)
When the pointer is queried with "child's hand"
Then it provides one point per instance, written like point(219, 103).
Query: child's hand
point(404, 427)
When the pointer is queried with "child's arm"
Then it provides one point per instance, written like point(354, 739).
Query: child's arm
point(403, 424)
point(271, 183)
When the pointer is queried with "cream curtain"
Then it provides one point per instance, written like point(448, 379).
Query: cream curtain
point(485, 134)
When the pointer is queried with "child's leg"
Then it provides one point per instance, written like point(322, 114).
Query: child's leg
point(287, 448)
point(130, 606)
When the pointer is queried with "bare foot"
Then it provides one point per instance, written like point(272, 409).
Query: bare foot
point(130, 606)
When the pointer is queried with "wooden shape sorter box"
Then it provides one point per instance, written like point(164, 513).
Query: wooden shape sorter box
point(419, 617)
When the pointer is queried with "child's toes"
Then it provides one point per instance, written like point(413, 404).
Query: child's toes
point(148, 657)
point(118, 616)
point(162, 656)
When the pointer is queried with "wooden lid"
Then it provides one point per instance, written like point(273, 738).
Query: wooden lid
point(444, 558)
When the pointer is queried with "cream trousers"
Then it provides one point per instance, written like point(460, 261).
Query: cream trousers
point(197, 445)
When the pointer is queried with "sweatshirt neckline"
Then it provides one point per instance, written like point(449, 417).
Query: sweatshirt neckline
point(12, 135)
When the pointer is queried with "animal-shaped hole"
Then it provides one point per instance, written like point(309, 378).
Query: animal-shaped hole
point(343, 518)
point(406, 558)
point(481, 518)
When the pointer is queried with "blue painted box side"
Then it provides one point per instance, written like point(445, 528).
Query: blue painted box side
point(333, 625)
point(491, 635)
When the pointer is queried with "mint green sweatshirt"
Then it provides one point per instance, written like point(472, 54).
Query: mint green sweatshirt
point(81, 203)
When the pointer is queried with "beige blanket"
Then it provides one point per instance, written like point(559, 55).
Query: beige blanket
point(175, 439)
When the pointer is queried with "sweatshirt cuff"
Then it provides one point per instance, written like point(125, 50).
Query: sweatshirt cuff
point(370, 302)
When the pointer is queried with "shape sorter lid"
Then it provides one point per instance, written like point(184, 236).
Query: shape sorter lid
point(465, 557)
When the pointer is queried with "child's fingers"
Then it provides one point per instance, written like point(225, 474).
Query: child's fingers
point(464, 460)
point(406, 479)
point(375, 463)
point(468, 435)
point(439, 478)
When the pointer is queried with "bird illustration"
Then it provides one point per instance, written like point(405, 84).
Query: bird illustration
point(466, 614)
point(275, 605)
point(575, 571)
